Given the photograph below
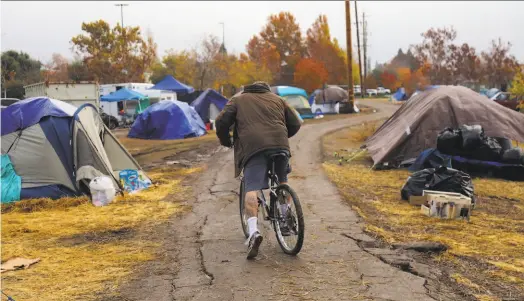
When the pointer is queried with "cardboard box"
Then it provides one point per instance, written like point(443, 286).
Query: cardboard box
point(446, 205)
point(418, 200)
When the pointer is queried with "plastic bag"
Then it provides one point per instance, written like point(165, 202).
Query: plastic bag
point(505, 143)
point(132, 180)
point(11, 183)
point(513, 156)
point(102, 191)
point(438, 179)
point(472, 136)
point(489, 149)
point(449, 142)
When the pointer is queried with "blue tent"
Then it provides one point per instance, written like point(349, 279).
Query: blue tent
point(400, 95)
point(56, 149)
point(168, 120)
point(125, 94)
point(209, 104)
point(287, 90)
point(169, 83)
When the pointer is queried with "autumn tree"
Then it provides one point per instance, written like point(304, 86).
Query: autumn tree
point(282, 36)
point(56, 70)
point(310, 74)
point(499, 64)
point(465, 64)
point(78, 71)
point(517, 84)
point(179, 64)
point(435, 50)
point(389, 80)
point(322, 48)
point(118, 54)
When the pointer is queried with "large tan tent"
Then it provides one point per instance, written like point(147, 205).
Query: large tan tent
point(416, 124)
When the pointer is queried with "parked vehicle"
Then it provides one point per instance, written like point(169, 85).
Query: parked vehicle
point(382, 90)
point(357, 90)
point(8, 101)
point(508, 100)
point(371, 92)
point(76, 94)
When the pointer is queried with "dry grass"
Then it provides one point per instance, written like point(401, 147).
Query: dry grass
point(85, 249)
point(493, 239)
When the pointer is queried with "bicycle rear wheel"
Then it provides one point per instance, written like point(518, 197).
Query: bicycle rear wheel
point(291, 244)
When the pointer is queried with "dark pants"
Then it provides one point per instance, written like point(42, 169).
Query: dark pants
point(256, 171)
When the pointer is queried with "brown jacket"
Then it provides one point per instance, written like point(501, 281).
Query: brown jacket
point(261, 121)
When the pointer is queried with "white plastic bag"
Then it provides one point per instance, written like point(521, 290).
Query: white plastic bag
point(102, 191)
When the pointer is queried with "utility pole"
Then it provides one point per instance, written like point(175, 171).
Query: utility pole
point(362, 87)
point(365, 43)
point(351, 95)
point(122, 13)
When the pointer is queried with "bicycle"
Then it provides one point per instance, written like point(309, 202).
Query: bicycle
point(278, 194)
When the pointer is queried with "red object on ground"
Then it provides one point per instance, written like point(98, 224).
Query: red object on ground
point(208, 126)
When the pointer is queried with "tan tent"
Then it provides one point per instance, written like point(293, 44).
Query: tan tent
point(416, 124)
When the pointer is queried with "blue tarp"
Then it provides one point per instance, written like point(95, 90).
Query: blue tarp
point(11, 182)
point(28, 112)
point(123, 94)
point(168, 120)
point(287, 90)
point(169, 83)
point(400, 95)
point(209, 96)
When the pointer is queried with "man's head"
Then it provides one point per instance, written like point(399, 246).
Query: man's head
point(261, 83)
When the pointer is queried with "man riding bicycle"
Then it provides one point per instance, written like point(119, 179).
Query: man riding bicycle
point(263, 123)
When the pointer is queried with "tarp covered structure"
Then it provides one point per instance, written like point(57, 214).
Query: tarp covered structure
point(328, 95)
point(125, 94)
point(416, 124)
point(209, 104)
point(57, 149)
point(168, 120)
point(169, 83)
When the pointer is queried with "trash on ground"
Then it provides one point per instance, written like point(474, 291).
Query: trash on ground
point(447, 205)
point(17, 263)
point(438, 179)
point(102, 191)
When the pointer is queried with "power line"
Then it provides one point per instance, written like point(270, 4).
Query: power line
point(365, 43)
point(362, 88)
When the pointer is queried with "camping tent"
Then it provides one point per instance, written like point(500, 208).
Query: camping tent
point(169, 83)
point(209, 104)
point(400, 95)
point(125, 94)
point(326, 100)
point(296, 98)
point(416, 124)
point(57, 149)
point(167, 120)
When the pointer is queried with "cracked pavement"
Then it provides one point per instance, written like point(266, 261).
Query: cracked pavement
point(209, 261)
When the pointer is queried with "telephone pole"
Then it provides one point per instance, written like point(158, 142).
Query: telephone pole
point(351, 95)
point(362, 88)
point(365, 43)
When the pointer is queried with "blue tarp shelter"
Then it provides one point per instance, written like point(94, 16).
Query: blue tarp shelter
point(400, 95)
point(169, 83)
point(296, 98)
point(209, 104)
point(56, 148)
point(125, 94)
point(168, 120)
point(287, 90)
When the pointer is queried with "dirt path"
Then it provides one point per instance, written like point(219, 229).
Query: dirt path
point(206, 259)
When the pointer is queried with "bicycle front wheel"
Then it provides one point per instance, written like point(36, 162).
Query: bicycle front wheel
point(288, 225)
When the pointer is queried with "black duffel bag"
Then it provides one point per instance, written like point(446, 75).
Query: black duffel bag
point(438, 179)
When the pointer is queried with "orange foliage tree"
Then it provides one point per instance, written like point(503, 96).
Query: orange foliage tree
point(326, 50)
point(310, 74)
point(279, 44)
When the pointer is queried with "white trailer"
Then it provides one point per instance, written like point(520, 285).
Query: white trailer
point(76, 94)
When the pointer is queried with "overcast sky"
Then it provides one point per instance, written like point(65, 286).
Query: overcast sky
point(42, 28)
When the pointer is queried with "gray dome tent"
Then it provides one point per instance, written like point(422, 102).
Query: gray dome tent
point(416, 124)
